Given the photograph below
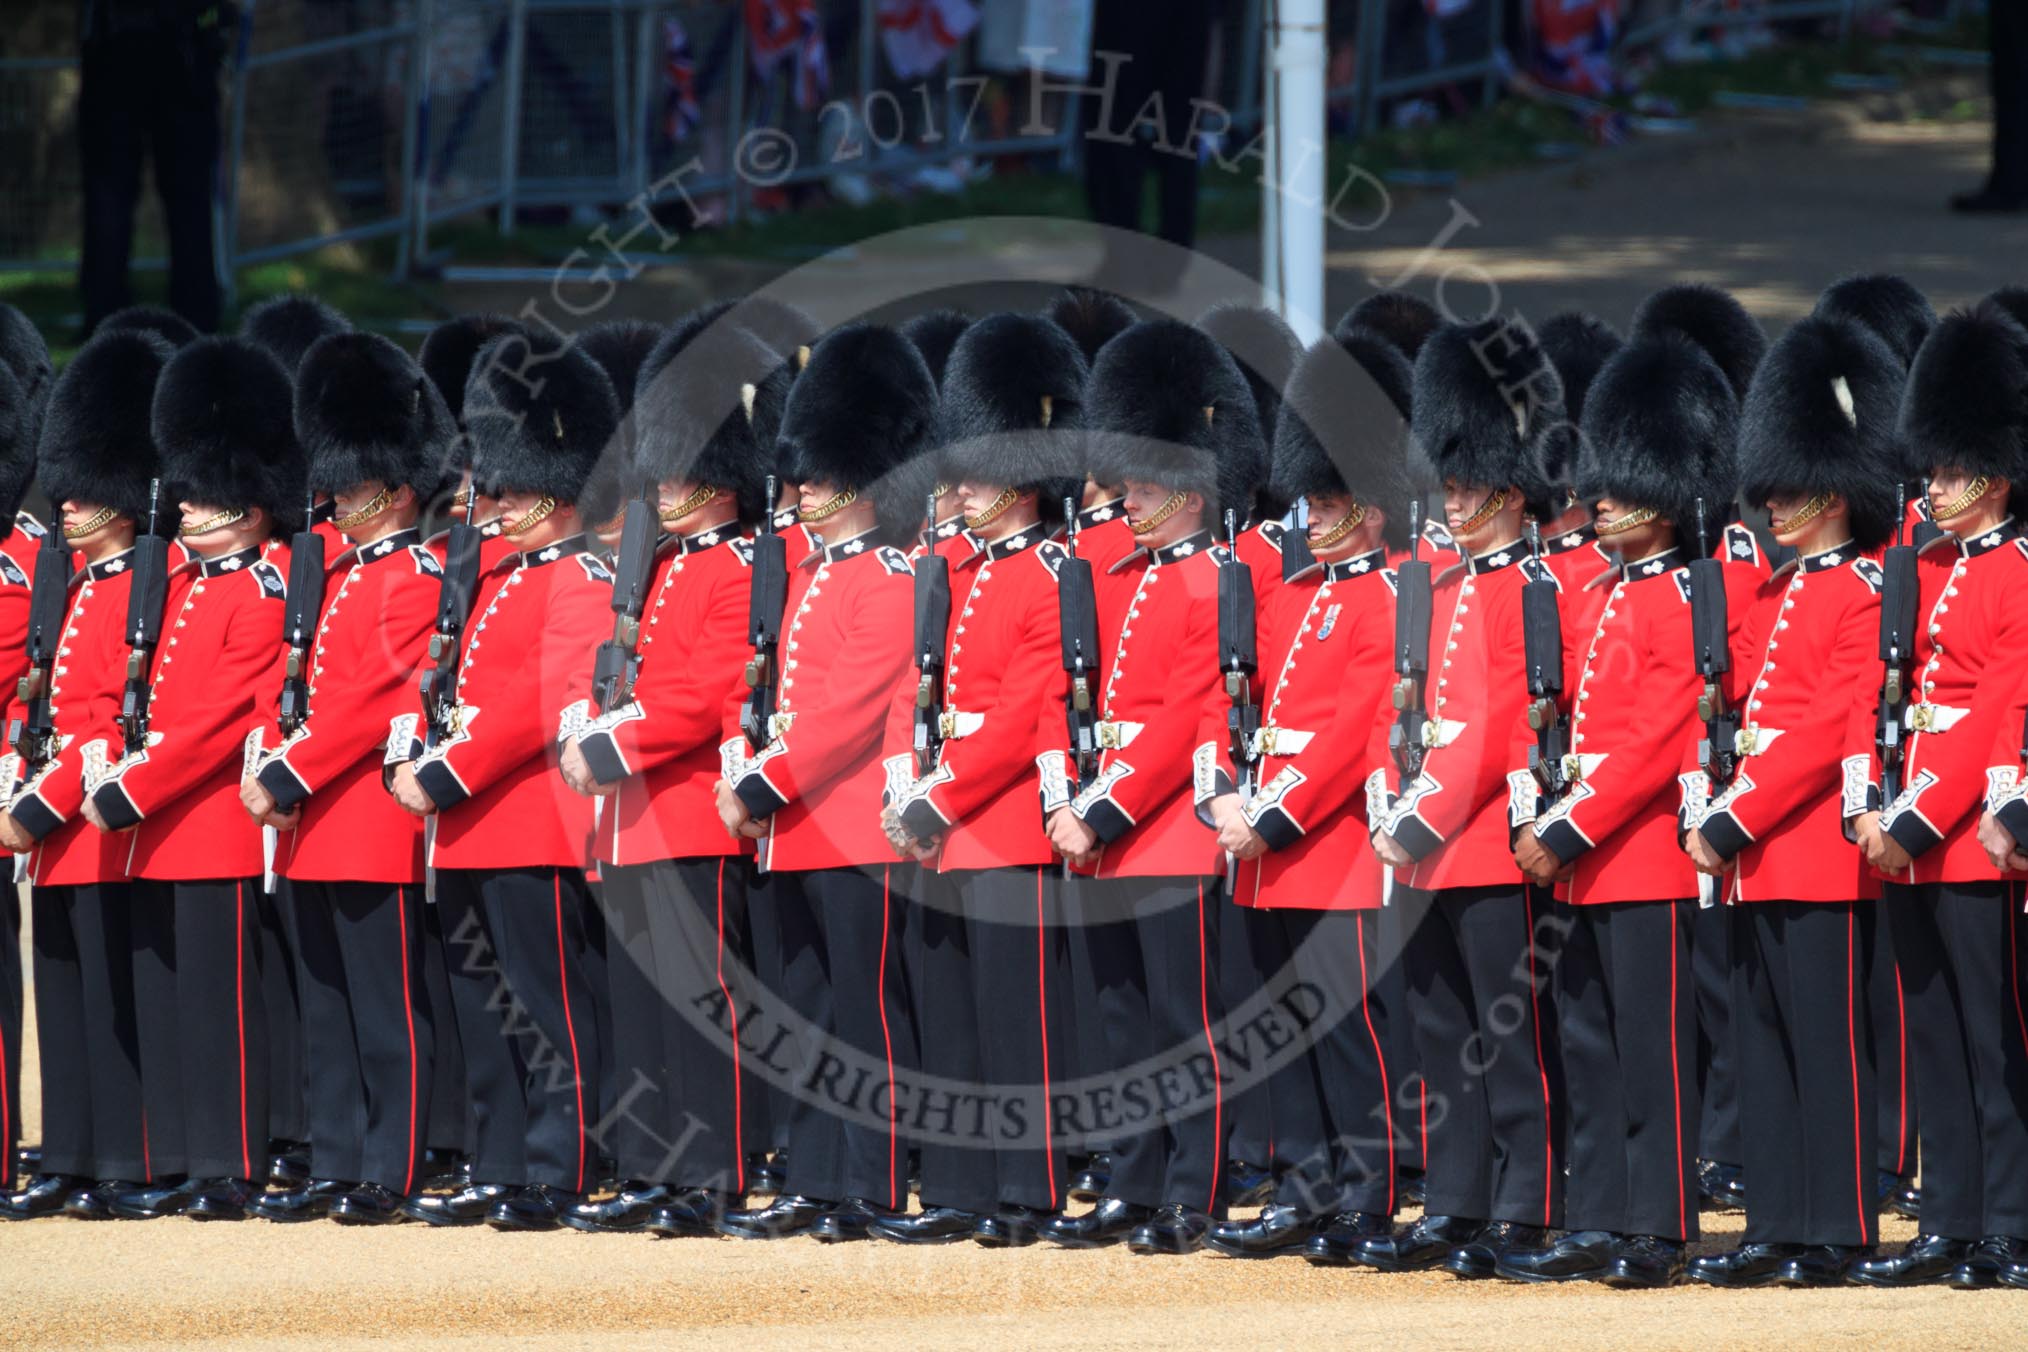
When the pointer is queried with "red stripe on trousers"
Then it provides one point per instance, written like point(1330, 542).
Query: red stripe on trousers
point(1042, 1026)
point(732, 1010)
point(887, 1038)
point(408, 1014)
point(1852, 1051)
point(1901, 1070)
point(1211, 1046)
point(2014, 962)
point(1541, 1067)
point(569, 1025)
point(239, 1009)
point(1676, 1078)
point(1386, 1086)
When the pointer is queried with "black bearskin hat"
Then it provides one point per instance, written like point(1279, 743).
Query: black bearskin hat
point(18, 426)
point(1966, 403)
point(934, 335)
point(1344, 426)
point(365, 412)
point(167, 324)
point(98, 445)
point(1168, 405)
point(1577, 345)
point(539, 414)
point(780, 325)
point(619, 346)
point(289, 326)
point(697, 421)
point(1266, 350)
point(1661, 430)
point(1091, 317)
point(1485, 396)
point(1821, 418)
point(448, 351)
point(1897, 314)
point(1713, 320)
point(1012, 410)
point(26, 355)
point(2012, 299)
point(1404, 320)
point(226, 431)
point(861, 412)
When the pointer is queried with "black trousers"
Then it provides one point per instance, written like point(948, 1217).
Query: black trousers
point(1154, 943)
point(13, 1012)
point(775, 1106)
point(951, 1114)
point(1248, 944)
point(89, 1043)
point(1960, 946)
point(203, 1026)
point(143, 99)
point(2008, 34)
point(840, 933)
point(1015, 919)
point(1888, 1034)
point(515, 940)
point(281, 993)
point(1711, 965)
point(636, 1129)
point(1165, 45)
point(1476, 977)
point(450, 1117)
point(1087, 1058)
point(599, 1109)
point(1806, 1081)
point(1387, 1000)
point(1629, 1029)
point(369, 1040)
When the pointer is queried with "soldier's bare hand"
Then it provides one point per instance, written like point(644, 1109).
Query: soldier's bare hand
point(255, 798)
point(1238, 839)
point(925, 851)
point(1071, 838)
point(1536, 860)
point(13, 836)
point(1702, 855)
point(284, 821)
point(1997, 841)
point(1390, 851)
point(91, 814)
point(1887, 854)
point(732, 811)
point(409, 793)
point(577, 771)
point(1225, 808)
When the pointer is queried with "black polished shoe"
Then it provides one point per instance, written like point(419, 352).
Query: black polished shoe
point(307, 1203)
point(931, 1225)
point(1338, 1242)
point(1420, 1246)
point(1473, 1260)
point(1720, 1187)
point(1583, 1255)
point(369, 1204)
point(289, 1168)
point(1820, 1265)
point(1899, 1196)
point(467, 1206)
point(1013, 1227)
point(28, 1161)
point(149, 1201)
point(1986, 202)
point(539, 1206)
point(1107, 1223)
point(1278, 1230)
point(1175, 1228)
point(1924, 1260)
point(94, 1201)
point(762, 1175)
point(44, 1196)
point(1089, 1184)
point(1646, 1263)
point(2015, 1275)
point(624, 1212)
point(1989, 1258)
point(1413, 1189)
point(789, 1215)
point(1748, 1265)
point(222, 1199)
point(851, 1220)
point(1248, 1185)
point(691, 1213)
point(446, 1170)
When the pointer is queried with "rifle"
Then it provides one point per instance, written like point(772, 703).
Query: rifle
point(1898, 597)
point(455, 591)
point(144, 624)
point(305, 604)
point(1408, 739)
point(617, 664)
point(33, 736)
point(1237, 655)
point(1718, 750)
point(1077, 621)
point(767, 600)
point(1542, 644)
point(932, 626)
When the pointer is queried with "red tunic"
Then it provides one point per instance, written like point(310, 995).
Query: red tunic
point(501, 804)
point(378, 612)
point(662, 749)
point(219, 658)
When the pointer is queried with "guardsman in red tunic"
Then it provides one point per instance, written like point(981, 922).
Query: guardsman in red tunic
point(221, 421)
point(1577, 345)
point(20, 413)
point(859, 411)
point(1659, 434)
point(1818, 450)
point(990, 919)
point(96, 465)
point(1957, 923)
point(1484, 396)
point(508, 849)
point(1305, 867)
point(375, 432)
point(1174, 421)
point(674, 881)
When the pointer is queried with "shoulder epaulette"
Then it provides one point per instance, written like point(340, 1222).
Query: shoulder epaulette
point(273, 584)
point(893, 560)
point(425, 562)
point(593, 568)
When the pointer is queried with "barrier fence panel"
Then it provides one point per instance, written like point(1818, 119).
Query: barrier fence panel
point(462, 132)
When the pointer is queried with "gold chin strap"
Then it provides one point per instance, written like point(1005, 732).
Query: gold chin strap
point(374, 507)
point(536, 515)
point(1631, 521)
point(941, 490)
point(699, 495)
point(994, 510)
point(824, 511)
point(1805, 514)
point(1162, 513)
point(218, 522)
point(84, 528)
point(1962, 503)
point(1348, 523)
point(1488, 509)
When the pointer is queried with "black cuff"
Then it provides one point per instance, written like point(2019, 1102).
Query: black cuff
point(602, 757)
point(115, 808)
point(1278, 829)
point(1723, 833)
point(436, 780)
point(1914, 835)
point(283, 784)
point(1416, 838)
point(759, 796)
point(2012, 814)
point(922, 821)
point(35, 817)
point(1561, 839)
point(1106, 820)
